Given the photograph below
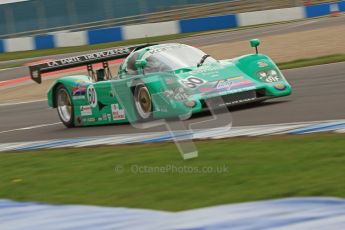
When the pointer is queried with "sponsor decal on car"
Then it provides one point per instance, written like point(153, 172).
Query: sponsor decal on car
point(78, 97)
point(242, 89)
point(81, 81)
point(88, 57)
point(224, 85)
point(35, 74)
point(118, 114)
point(85, 110)
point(269, 76)
point(206, 89)
point(104, 116)
point(164, 110)
point(169, 80)
point(242, 83)
point(165, 48)
point(176, 93)
point(79, 90)
point(209, 69)
point(91, 119)
point(270, 79)
point(262, 64)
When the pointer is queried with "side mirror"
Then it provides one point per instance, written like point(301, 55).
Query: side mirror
point(255, 43)
point(141, 63)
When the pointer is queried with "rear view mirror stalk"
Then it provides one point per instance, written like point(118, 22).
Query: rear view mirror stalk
point(255, 43)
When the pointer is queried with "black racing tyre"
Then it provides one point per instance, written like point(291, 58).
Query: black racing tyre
point(142, 102)
point(64, 106)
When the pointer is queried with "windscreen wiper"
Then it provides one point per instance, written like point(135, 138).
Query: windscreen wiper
point(203, 59)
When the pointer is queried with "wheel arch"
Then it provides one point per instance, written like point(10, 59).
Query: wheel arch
point(68, 82)
point(52, 95)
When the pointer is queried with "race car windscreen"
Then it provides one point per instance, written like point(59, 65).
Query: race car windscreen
point(173, 57)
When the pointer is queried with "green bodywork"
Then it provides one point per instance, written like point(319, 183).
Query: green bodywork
point(114, 102)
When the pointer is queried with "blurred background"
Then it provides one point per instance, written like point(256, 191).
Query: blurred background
point(28, 17)
point(303, 164)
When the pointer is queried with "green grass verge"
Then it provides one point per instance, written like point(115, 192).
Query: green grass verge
point(312, 61)
point(258, 169)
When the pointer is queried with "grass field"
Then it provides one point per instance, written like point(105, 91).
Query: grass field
point(154, 176)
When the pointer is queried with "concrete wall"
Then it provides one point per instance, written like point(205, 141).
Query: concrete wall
point(65, 39)
point(71, 39)
point(317, 10)
point(104, 35)
point(150, 30)
point(208, 23)
point(270, 16)
point(19, 44)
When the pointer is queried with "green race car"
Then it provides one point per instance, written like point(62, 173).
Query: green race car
point(158, 81)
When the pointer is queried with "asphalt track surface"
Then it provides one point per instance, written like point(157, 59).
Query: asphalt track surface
point(206, 39)
point(318, 94)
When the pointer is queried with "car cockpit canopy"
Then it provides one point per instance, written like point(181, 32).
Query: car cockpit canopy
point(162, 58)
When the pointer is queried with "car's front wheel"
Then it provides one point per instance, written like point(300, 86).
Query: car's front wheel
point(143, 102)
point(64, 106)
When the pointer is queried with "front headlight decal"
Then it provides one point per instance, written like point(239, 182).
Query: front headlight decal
point(269, 76)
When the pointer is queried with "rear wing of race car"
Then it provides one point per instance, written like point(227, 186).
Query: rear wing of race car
point(36, 71)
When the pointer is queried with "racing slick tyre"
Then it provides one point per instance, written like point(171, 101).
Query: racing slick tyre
point(143, 102)
point(64, 106)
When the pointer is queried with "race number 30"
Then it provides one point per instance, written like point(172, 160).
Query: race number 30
point(92, 96)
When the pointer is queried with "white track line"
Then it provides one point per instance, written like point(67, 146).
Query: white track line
point(11, 68)
point(259, 130)
point(30, 127)
point(23, 102)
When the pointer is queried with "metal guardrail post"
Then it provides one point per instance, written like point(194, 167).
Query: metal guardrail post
point(9, 19)
point(41, 14)
point(72, 13)
point(108, 9)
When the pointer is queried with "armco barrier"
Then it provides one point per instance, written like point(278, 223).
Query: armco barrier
point(44, 42)
point(150, 30)
point(64, 39)
point(19, 44)
point(341, 5)
point(270, 16)
point(318, 10)
point(322, 9)
point(104, 35)
point(71, 39)
point(208, 23)
point(2, 47)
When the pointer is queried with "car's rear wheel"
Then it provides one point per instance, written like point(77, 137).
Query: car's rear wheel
point(64, 106)
point(143, 102)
